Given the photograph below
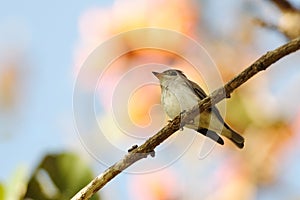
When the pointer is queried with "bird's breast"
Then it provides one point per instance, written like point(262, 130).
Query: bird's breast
point(177, 99)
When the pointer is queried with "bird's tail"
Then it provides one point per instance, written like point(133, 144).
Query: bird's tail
point(235, 137)
point(211, 134)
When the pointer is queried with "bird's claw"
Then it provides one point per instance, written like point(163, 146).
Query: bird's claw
point(182, 112)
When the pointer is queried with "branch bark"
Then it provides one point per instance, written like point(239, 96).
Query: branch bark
point(224, 92)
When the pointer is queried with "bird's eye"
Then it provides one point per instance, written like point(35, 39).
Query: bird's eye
point(173, 73)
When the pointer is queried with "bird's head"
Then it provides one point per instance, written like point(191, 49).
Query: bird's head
point(169, 75)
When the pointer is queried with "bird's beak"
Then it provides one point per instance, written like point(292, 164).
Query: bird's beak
point(158, 75)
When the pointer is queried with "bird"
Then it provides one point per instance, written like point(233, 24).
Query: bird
point(179, 94)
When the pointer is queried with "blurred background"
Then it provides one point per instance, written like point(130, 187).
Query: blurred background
point(43, 46)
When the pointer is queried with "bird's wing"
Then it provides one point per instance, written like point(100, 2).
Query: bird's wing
point(197, 89)
point(211, 134)
point(201, 94)
point(235, 137)
point(217, 113)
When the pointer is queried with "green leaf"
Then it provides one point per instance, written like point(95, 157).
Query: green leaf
point(14, 187)
point(1, 191)
point(59, 176)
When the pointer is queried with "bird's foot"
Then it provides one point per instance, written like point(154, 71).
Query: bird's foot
point(182, 112)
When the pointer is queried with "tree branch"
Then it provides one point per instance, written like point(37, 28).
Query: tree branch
point(148, 147)
point(288, 22)
point(284, 5)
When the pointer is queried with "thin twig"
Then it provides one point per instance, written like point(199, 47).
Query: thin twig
point(284, 5)
point(264, 24)
point(148, 147)
point(288, 22)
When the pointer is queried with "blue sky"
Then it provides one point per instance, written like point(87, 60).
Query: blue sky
point(47, 31)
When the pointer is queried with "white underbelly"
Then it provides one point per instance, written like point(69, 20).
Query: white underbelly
point(175, 104)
